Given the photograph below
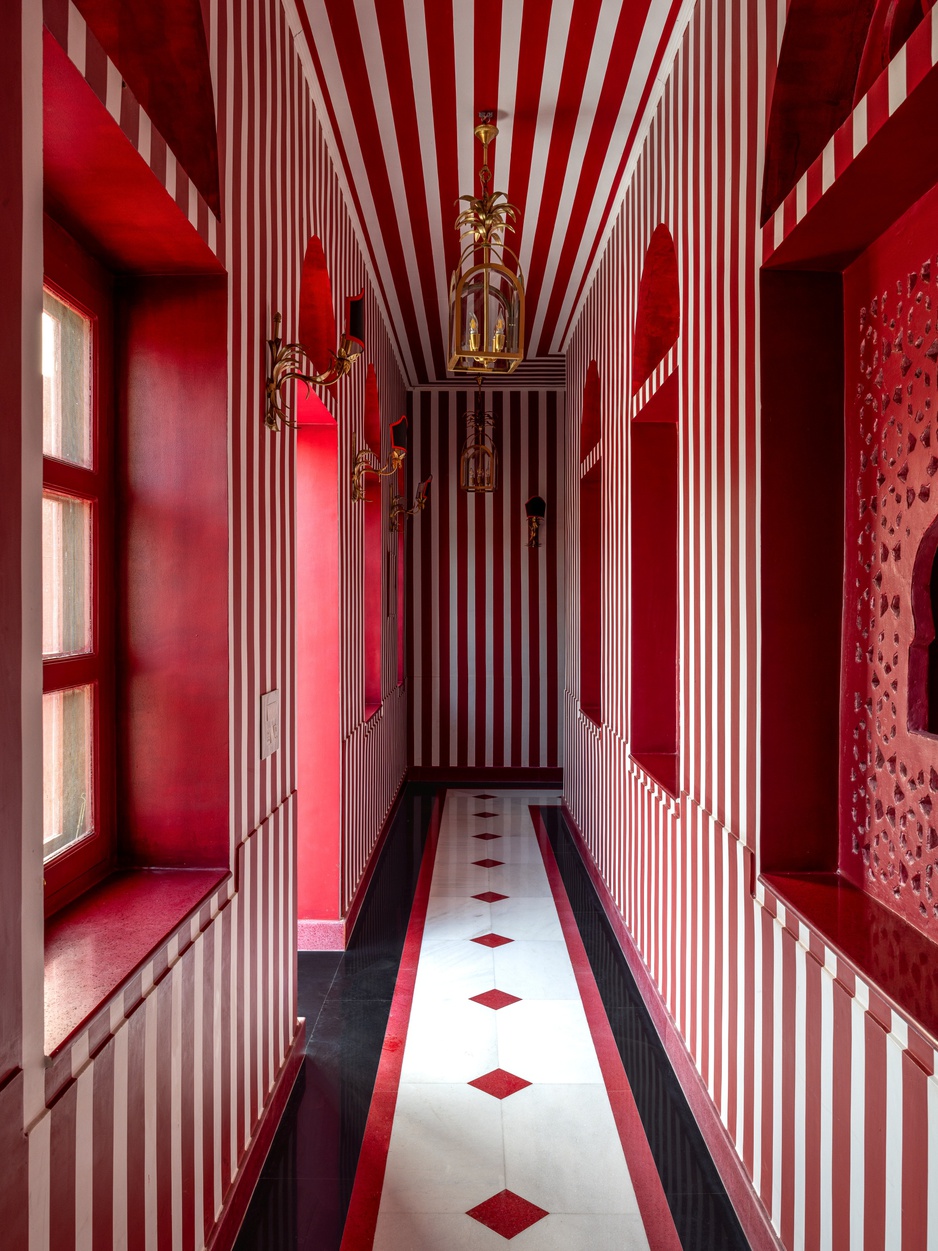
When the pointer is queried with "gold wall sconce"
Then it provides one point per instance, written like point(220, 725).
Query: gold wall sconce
point(478, 464)
point(399, 512)
point(292, 361)
point(535, 511)
point(366, 461)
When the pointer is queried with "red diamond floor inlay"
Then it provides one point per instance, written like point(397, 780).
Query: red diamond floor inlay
point(495, 999)
point(490, 896)
point(500, 1083)
point(507, 1213)
point(493, 940)
point(485, 814)
point(488, 863)
point(486, 835)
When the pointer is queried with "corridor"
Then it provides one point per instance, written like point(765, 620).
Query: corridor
point(519, 1089)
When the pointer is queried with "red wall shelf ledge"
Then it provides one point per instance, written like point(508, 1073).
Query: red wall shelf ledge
point(97, 944)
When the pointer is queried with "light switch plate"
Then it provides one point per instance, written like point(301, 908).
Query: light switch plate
point(270, 723)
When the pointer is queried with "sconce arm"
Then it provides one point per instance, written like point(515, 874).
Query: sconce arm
point(286, 363)
point(367, 462)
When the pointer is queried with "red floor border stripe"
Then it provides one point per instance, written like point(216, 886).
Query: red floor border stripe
point(652, 1203)
point(362, 1219)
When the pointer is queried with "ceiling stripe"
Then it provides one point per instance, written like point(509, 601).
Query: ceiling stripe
point(403, 81)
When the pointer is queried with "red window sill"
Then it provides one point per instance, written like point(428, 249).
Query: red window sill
point(96, 943)
point(661, 767)
point(887, 952)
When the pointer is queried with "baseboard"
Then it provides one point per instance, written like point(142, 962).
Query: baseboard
point(502, 776)
point(320, 935)
point(239, 1193)
point(749, 1208)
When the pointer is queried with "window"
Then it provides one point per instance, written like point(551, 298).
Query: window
point(77, 571)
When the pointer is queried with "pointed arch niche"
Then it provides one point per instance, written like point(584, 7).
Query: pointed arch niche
point(654, 661)
point(372, 621)
point(591, 550)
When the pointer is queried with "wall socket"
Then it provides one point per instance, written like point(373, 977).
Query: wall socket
point(270, 723)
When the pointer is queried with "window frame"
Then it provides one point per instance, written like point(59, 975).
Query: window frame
point(74, 277)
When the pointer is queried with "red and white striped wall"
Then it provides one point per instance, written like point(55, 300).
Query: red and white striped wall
point(827, 1094)
point(137, 1131)
point(485, 629)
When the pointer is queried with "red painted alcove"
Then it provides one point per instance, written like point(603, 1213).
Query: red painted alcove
point(653, 655)
point(847, 831)
point(372, 620)
point(591, 553)
point(654, 662)
point(317, 661)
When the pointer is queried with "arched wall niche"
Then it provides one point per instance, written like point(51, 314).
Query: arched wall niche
point(832, 53)
point(591, 550)
point(654, 473)
point(161, 51)
point(591, 421)
point(372, 548)
point(658, 319)
point(372, 412)
point(317, 330)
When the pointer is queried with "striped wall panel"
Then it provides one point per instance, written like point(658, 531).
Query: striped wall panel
point(485, 636)
point(148, 1114)
point(827, 1093)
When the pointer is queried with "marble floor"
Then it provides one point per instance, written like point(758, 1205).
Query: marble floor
point(480, 1068)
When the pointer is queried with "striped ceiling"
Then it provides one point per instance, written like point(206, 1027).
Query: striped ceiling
point(402, 82)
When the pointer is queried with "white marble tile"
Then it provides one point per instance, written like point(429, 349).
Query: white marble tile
point(577, 1166)
point(449, 1040)
point(547, 1041)
point(527, 917)
point(435, 1231)
point(446, 1149)
point(453, 968)
point(457, 916)
point(567, 1232)
point(525, 880)
point(533, 969)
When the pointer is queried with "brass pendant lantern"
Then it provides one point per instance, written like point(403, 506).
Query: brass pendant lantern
point(486, 298)
point(478, 464)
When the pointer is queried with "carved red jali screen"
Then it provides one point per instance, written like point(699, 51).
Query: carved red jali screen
point(889, 768)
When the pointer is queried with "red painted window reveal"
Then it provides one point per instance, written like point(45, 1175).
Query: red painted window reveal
point(591, 585)
point(658, 320)
point(372, 620)
point(317, 661)
point(654, 651)
point(78, 569)
point(161, 51)
point(317, 329)
point(889, 760)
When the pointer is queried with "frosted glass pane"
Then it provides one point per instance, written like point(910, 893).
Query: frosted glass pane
point(66, 382)
point(66, 776)
point(66, 576)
